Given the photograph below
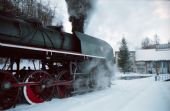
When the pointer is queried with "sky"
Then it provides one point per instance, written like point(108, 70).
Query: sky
point(113, 19)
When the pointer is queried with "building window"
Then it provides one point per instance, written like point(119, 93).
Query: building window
point(131, 54)
point(164, 64)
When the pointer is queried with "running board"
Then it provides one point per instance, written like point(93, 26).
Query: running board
point(48, 50)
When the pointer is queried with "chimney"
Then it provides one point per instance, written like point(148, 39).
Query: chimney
point(77, 23)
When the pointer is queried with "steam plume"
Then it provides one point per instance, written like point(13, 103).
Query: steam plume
point(78, 11)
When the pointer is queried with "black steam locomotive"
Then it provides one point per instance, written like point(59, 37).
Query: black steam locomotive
point(38, 63)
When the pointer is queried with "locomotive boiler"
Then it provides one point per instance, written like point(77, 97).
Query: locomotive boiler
point(38, 63)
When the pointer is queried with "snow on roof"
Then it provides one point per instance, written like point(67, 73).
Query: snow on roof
point(152, 55)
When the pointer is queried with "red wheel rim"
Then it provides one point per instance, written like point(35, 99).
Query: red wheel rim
point(63, 90)
point(8, 94)
point(37, 94)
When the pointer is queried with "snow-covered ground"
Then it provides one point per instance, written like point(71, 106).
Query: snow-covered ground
point(144, 94)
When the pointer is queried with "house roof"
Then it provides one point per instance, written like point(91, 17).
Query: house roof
point(152, 55)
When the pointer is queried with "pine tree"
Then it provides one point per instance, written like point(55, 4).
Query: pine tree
point(123, 57)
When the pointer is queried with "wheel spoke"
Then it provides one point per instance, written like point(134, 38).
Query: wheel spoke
point(63, 90)
point(37, 94)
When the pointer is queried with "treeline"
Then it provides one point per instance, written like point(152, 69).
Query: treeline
point(28, 9)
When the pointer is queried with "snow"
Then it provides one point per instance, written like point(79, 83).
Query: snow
point(124, 95)
point(152, 55)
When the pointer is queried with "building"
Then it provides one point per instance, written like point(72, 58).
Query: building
point(150, 60)
point(153, 60)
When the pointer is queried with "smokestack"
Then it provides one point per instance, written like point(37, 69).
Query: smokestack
point(77, 23)
point(78, 11)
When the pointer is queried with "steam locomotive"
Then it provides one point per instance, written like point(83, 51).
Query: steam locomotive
point(38, 63)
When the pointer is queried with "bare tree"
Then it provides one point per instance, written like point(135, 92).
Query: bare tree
point(156, 39)
point(146, 42)
point(8, 8)
point(28, 9)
